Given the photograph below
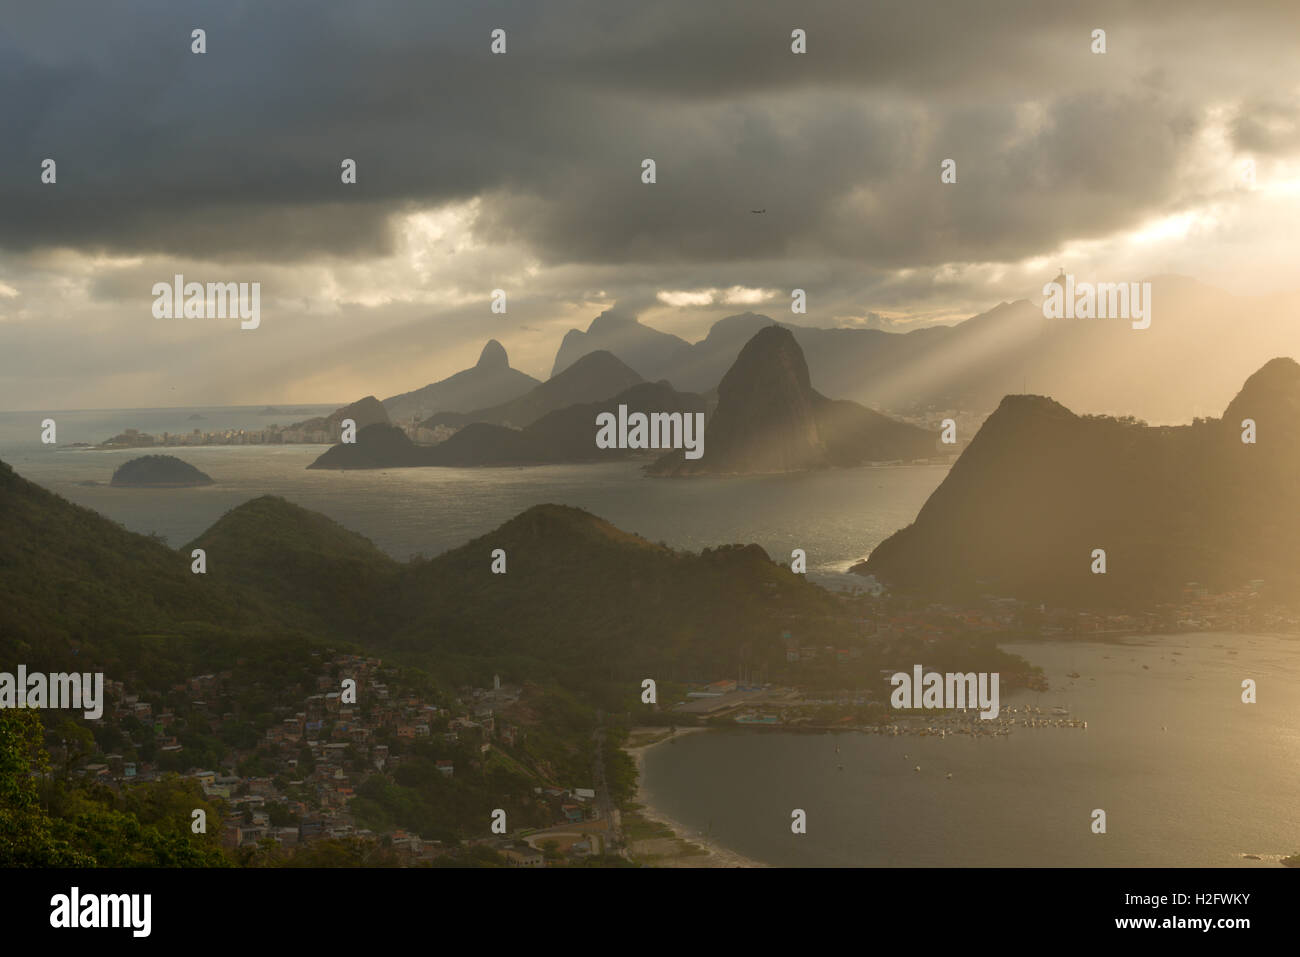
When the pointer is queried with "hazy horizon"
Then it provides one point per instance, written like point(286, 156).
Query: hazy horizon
point(1211, 395)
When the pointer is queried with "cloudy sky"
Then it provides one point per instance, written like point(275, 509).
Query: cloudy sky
point(522, 171)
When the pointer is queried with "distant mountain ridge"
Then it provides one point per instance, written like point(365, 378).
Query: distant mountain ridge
point(658, 355)
point(489, 382)
point(596, 376)
point(646, 350)
point(768, 419)
point(1167, 373)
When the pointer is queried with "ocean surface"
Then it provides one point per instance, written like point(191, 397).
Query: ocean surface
point(836, 516)
point(1186, 773)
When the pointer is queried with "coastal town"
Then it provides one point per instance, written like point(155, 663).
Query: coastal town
point(295, 774)
point(321, 430)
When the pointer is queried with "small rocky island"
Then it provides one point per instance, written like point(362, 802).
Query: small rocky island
point(158, 471)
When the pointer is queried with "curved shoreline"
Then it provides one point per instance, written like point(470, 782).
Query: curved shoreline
point(715, 854)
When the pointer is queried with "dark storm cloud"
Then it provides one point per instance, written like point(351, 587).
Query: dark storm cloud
point(235, 154)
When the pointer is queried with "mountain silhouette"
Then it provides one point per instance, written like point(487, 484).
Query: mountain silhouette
point(650, 352)
point(1039, 488)
point(488, 382)
point(770, 419)
point(565, 435)
point(596, 376)
point(363, 412)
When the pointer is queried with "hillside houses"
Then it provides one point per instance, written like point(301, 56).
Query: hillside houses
point(290, 776)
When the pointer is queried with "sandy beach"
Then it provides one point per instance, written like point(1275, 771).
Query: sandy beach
point(715, 854)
